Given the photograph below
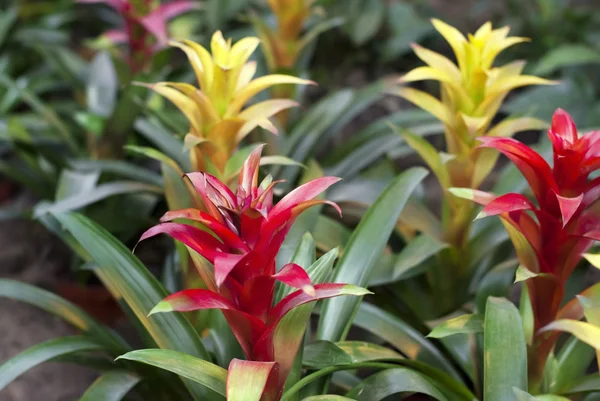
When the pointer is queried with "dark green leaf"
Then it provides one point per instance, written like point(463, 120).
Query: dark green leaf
point(363, 250)
point(111, 386)
point(64, 309)
point(102, 85)
point(43, 352)
point(394, 381)
point(192, 368)
point(566, 56)
point(505, 351)
point(402, 336)
point(119, 168)
point(99, 193)
point(459, 325)
point(126, 277)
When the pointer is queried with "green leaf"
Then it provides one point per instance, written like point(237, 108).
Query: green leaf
point(304, 256)
point(249, 380)
point(304, 223)
point(402, 336)
point(175, 188)
point(363, 250)
point(164, 141)
point(127, 278)
point(7, 20)
point(523, 274)
point(586, 332)
point(408, 261)
point(322, 354)
point(464, 324)
point(111, 386)
point(572, 361)
point(94, 195)
point(236, 161)
point(566, 56)
point(428, 153)
point(329, 233)
point(313, 127)
point(585, 385)
point(43, 352)
point(365, 21)
point(119, 168)
point(393, 381)
point(524, 396)
point(317, 30)
point(46, 112)
point(200, 371)
point(496, 283)
point(505, 352)
point(406, 27)
point(279, 160)
point(72, 183)
point(327, 397)
point(64, 309)
point(102, 85)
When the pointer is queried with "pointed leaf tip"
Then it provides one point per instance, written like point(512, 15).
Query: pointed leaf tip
point(480, 215)
point(309, 290)
point(464, 193)
point(161, 307)
point(523, 274)
point(351, 289)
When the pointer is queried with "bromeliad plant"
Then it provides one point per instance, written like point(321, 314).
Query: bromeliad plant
point(144, 30)
point(472, 92)
point(283, 45)
point(215, 111)
point(240, 233)
point(241, 236)
point(550, 237)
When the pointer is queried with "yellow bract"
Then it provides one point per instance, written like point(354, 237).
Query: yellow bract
point(282, 46)
point(215, 110)
point(291, 15)
point(472, 91)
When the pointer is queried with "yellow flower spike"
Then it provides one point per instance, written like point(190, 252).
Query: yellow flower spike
point(215, 109)
point(472, 90)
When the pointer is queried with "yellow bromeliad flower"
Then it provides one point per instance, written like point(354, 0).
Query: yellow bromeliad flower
point(215, 111)
point(283, 46)
point(471, 95)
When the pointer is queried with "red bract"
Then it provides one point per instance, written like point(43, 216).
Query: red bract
point(551, 236)
point(241, 237)
point(143, 20)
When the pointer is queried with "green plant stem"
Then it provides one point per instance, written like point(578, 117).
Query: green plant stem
point(332, 369)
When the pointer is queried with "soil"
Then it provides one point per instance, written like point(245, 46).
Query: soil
point(28, 253)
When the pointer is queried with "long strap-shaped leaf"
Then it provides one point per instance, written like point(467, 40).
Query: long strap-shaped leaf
point(393, 381)
point(111, 386)
point(41, 353)
point(126, 277)
point(323, 354)
point(402, 336)
point(505, 354)
point(192, 368)
point(64, 309)
point(363, 250)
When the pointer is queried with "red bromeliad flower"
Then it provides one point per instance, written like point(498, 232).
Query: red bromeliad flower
point(242, 234)
point(550, 236)
point(145, 26)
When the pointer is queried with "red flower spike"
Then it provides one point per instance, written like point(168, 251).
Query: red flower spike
point(244, 232)
point(566, 221)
